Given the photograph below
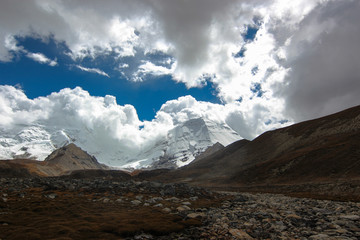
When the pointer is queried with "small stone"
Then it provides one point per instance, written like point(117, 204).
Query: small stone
point(156, 184)
point(158, 205)
point(139, 197)
point(333, 226)
point(186, 203)
point(242, 198)
point(166, 210)
point(106, 200)
point(239, 234)
point(173, 199)
point(183, 208)
point(319, 236)
point(119, 200)
point(143, 236)
point(196, 215)
point(154, 199)
point(194, 198)
point(354, 229)
point(279, 225)
point(136, 202)
point(350, 217)
point(4, 199)
point(51, 195)
point(247, 224)
point(293, 216)
point(224, 225)
point(341, 230)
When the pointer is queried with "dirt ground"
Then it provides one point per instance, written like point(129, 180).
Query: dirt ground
point(39, 214)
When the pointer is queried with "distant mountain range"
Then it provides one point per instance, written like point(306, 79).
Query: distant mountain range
point(316, 157)
point(179, 147)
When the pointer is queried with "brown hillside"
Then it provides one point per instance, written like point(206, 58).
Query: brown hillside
point(312, 152)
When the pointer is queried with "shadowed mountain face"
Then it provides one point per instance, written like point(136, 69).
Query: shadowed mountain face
point(321, 150)
point(71, 158)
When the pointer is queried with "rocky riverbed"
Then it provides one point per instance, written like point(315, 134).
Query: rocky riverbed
point(63, 208)
point(269, 216)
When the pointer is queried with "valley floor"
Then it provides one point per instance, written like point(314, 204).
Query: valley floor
point(61, 208)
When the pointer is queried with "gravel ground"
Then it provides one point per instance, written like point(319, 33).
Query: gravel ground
point(58, 208)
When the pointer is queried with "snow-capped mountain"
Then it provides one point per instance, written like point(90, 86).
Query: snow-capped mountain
point(183, 143)
point(179, 147)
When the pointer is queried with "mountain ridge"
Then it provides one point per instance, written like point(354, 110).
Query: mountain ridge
point(317, 158)
point(177, 148)
point(323, 151)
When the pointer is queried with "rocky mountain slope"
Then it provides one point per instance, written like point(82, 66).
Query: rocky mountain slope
point(177, 148)
point(308, 153)
point(61, 162)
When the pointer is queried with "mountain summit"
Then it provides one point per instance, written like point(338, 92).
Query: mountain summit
point(70, 158)
point(183, 143)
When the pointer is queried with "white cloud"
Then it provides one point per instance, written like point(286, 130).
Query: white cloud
point(248, 120)
point(148, 68)
point(124, 65)
point(41, 58)
point(16, 108)
point(305, 53)
point(11, 44)
point(93, 70)
point(112, 125)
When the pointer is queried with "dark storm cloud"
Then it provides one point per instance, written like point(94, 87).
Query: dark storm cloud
point(324, 62)
point(186, 24)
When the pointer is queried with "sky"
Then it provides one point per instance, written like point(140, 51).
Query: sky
point(137, 68)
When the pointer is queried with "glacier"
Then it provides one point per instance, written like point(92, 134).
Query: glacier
point(177, 148)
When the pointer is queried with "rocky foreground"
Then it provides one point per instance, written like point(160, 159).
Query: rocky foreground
point(64, 208)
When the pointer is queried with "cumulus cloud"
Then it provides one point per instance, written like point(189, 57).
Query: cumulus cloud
point(99, 122)
point(247, 120)
point(109, 125)
point(302, 61)
point(93, 70)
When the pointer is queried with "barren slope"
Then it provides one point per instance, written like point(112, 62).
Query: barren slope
point(312, 152)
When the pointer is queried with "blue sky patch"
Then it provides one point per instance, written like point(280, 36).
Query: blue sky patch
point(147, 96)
point(250, 33)
point(241, 53)
point(256, 89)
